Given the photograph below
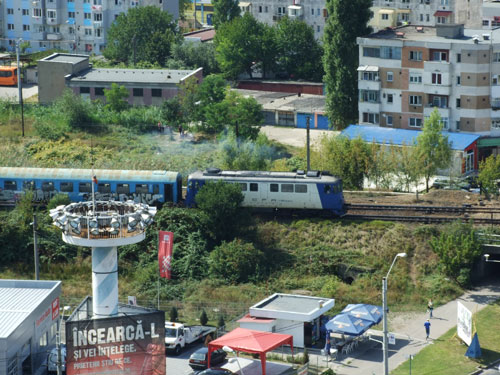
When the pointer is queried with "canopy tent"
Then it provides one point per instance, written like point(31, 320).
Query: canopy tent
point(371, 313)
point(249, 341)
point(348, 325)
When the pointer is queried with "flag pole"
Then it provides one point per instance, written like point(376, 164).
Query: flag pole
point(93, 176)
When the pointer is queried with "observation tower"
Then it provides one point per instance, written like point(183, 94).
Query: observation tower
point(103, 226)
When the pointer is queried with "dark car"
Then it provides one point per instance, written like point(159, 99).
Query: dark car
point(199, 359)
point(216, 371)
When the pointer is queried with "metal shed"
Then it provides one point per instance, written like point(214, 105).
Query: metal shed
point(29, 318)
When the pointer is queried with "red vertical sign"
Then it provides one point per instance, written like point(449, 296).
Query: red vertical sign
point(165, 245)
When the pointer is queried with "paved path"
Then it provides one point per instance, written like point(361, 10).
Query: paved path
point(410, 334)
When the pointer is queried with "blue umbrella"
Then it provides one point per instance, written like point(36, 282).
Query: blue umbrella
point(348, 325)
point(368, 312)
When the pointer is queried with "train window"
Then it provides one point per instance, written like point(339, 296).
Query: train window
point(10, 185)
point(156, 189)
point(274, 188)
point(336, 189)
point(48, 186)
point(66, 186)
point(85, 187)
point(300, 188)
point(254, 186)
point(29, 185)
point(287, 188)
point(141, 188)
point(104, 188)
point(123, 189)
point(326, 189)
point(243, 186)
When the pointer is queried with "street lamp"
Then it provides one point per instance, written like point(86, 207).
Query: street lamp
point(384, 302)
point(58, 343)
point(487, 259)
point(227, 349)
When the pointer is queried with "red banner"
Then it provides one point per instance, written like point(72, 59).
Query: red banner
point(165, 245)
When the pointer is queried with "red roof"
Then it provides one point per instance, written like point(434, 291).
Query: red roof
point(253, 319)
point(442, 13)
point(204, 35)
point(249, 341)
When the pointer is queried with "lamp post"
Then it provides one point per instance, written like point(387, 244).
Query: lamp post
point(487, 259)
point(58, 343)
point(384, 303)
point(227, 349)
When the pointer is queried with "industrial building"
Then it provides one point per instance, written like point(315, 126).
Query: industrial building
point(29, 317)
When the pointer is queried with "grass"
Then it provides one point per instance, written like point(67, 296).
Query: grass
point(447, 355)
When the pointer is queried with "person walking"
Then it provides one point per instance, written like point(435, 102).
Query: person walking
point(427, 326)
point(430, 307)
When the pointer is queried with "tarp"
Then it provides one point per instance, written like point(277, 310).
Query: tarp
point(474, 350)
point(250, 341)
point(368, 312)
point(348, 325)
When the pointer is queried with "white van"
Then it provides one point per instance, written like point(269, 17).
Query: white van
point(52, 360)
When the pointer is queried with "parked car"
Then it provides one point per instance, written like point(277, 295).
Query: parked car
point(52, 360)
point(216, 371)
point(199, 359)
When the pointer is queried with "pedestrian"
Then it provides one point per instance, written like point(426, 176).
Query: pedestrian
point(159, 126)
point(430, 307)
point(427, 326)
point(180, 131)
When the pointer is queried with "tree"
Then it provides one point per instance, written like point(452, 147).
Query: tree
point(172, 111)
point(347, 20)
point(225, 11)
point(115, 97)
point(173, 315)
point(409, 166)
point(299, 53)
point(238, 45)
point(76, 110)
point(382, 167)
point(203, 318)
point(433, 147)
point(221, 323)
point(221, 202)
point(489, 174)
point(187, 55)
point(144, 33)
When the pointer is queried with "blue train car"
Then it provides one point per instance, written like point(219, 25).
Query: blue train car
point(277, 190)
point(151, 187)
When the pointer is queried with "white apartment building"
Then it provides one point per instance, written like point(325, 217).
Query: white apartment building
point(407, 72)
point(74, 25)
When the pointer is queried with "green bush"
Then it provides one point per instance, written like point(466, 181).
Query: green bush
point(203, 318)
point(77, 111)
point(173, 314)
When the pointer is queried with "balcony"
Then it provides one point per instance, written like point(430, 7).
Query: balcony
point(437, 89)
point(54, 36)
point(372, 107)
point(295, 12)
point(277, 17)
point(369, 85)
point(437, 66)
point(495, 105)
point(38, 35)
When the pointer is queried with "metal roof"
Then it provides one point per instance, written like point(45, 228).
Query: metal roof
point(265, 176)
point(18, 299)
point(132, 75)
point(290, 302)
point(86, 174)
point(65, 58)
point(400, 137)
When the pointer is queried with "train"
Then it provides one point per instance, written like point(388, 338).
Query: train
point(300, 190)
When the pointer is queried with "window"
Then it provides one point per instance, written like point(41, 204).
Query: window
point(445, 123)
point(393, 53)
point(122, 188)
point(26, 12)
point(415, 78)
point(43, 340)
point(318, 28)
point(137, 92)
point(458, 80)
point(415, 122)
point(97, 17)
point(48, 186)
point(459, 57)
point(371, 52)
point(84, 90)
point(300, 188)
point(29, 185)
point(318, 11)
point(496, 57)
point(326, 189)
point(10, 185)
point(371, 96)
point(495, 124)
point(88, 31)
point(265, 9)
point(415, 99)
point(84, 187)
point(494, 80)
point(388, 120)
point(55, 29)
point(274, 188)
point(439, 101)
point(390, 98)
point(103, 187)
point(10, 26)
point(405, 17)
point(427, 17)
point(156, 93)
point(415, 55)
point(444, 2)
point(390, 76)
point(51, 13)
point(87, 16)
point(10, 10)
point(71, 14)
point(312, 11)
point(370, 76)
point(287, 188)
point(458, 103)
point(441, 20)
point(254, 186)
point(260, 8)
point(421, 17)
point(99, 91)
point(384, 16)
point(370, 118)
point(141, 188)
point(486, 23)
point(436, 78)
point(26, 27)
point(439, 56)
point(243, 186)
point(66, 187)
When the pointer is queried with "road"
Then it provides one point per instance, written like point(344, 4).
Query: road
point(179, 365)
point(11, 92)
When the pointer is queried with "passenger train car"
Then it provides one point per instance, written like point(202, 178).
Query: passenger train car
point(151, 187)
point(277, 190)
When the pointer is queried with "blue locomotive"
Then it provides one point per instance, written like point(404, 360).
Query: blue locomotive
point(313, 190)
point(151, 187)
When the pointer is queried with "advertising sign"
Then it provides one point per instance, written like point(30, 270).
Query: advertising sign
point(392, 339)
point(464, 323)
point(131, 344)
point(165, 245)
point(55, 308)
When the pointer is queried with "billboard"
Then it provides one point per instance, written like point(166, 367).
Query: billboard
point(129, 344)
point(166, 243)
point(464, 323)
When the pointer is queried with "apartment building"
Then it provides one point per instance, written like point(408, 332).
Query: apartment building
point(407, 72)
point(73, 25)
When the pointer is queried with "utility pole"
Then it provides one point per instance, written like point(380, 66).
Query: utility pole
point(308, 119)
point(35, 249)
point(20, 87)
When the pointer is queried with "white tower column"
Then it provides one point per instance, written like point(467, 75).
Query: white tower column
point(104, 281)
